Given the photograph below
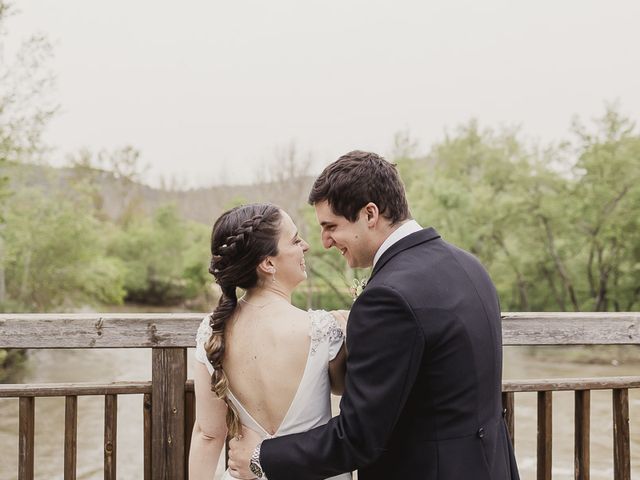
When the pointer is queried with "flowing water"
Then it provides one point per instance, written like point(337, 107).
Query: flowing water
point(48, 366)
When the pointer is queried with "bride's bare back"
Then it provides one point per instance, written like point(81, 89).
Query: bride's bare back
point(266, 351)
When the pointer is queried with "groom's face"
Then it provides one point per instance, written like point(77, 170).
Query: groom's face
point(352, 239)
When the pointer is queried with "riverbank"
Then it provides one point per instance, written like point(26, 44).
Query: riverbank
point(11, 361)
point(589, 354)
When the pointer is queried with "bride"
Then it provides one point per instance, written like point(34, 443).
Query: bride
point(262, 363)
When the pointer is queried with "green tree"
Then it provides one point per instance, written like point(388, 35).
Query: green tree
point(165, 257)
point(607, 195)
point(56, 255)
point(25, 108)
point(557, 228)
point(25, 86)
point(468, 187)
point(112, 179)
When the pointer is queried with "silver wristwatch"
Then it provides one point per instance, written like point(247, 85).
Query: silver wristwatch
point(254, 463)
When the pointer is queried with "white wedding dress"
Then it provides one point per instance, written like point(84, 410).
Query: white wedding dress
point(311, 405)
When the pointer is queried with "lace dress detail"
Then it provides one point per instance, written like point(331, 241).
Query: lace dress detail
point(204, 332)
point(325, 328)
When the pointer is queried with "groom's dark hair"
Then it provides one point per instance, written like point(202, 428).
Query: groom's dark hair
point(358, 178)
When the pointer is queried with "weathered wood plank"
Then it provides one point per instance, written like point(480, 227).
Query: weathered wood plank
point(544, 328)
point(63, 389)
point(582, 434)
point(146, 421)
point(169, 373)
point(544, 435)
point(508, 403)
point(10, 390)
point(154, 330)
point(110, 436)
point(70, 436)
point(98, 330)
point(567, 384)
point(26, 434)
point(621, 445)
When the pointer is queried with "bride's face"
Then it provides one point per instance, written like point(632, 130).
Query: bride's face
point(289, 263)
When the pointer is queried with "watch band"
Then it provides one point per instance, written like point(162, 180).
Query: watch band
point(254, 463)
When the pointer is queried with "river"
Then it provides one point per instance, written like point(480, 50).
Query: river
point(48, 366)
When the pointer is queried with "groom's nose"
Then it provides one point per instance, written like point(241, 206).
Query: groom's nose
point(327, 241)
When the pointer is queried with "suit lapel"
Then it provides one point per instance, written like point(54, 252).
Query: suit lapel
point(424, 235)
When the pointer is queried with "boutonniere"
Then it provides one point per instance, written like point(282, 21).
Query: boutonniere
point(357, 287)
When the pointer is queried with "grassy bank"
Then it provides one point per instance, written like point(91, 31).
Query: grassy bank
point(589, 354)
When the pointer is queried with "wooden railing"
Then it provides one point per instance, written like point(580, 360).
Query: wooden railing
point(582, 387)
point(71, 392)
point(168, 403)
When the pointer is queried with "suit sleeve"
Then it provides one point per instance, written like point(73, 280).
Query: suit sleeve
point(385, 346)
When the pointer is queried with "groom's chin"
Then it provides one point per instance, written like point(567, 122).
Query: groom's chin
point(353, 263)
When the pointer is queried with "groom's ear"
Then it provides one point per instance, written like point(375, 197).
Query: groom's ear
point(372, 214)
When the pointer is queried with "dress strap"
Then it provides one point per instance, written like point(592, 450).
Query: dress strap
point(245, 417)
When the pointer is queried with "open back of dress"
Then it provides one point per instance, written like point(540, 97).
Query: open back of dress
point(311, 404)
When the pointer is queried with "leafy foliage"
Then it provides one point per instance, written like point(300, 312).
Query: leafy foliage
point(165, 257)
point(56, 255)
point(557, 229)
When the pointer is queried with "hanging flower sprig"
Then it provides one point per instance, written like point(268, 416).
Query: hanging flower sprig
point(357, 287)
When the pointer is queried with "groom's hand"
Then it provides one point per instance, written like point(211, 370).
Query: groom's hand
point(240, 450)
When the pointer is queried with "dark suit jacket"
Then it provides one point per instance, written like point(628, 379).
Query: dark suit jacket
point(423, 386)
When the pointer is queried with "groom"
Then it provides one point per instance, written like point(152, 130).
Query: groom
point(423, 386)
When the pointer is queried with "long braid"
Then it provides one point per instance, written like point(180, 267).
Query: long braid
point(236, 251)
point(215, 353)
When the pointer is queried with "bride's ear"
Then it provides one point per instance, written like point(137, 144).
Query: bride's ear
point(266, 267)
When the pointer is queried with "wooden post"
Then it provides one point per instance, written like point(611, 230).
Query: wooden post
point(146, 421)
point(621, 446)
point(70, 436)
point(508, 406)
point(110, 436)
point(582, 434)
point(544, 435)
point(26, 436)
point(168, 376)
point(189, 421)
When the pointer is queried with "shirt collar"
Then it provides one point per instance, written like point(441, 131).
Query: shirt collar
point(404, 230)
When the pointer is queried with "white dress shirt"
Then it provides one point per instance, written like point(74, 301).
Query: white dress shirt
point(404, 230)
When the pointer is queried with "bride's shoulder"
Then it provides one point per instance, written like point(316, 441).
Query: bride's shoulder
point(319, 315)
point(324, 323)
point(204, 330)
point(325, 318)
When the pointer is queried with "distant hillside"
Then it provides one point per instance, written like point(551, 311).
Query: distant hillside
point(115, 195)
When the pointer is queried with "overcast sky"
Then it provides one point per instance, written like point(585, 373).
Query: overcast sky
point(208, 90)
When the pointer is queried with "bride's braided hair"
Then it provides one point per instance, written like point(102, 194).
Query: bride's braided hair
point(241, 238)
